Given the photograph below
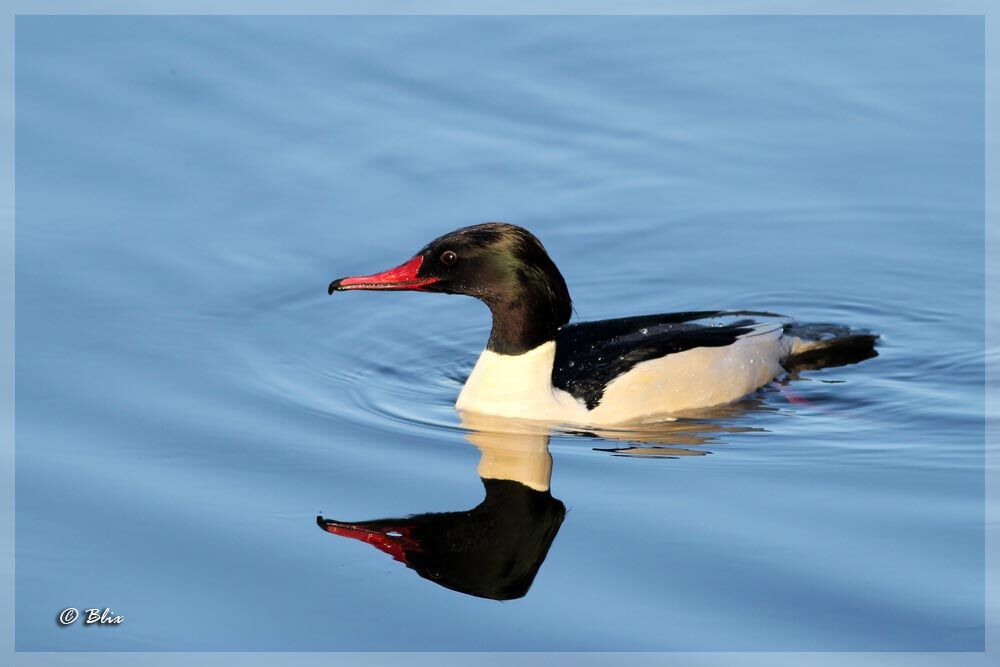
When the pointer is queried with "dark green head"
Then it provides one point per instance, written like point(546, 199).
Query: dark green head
point(502, 265)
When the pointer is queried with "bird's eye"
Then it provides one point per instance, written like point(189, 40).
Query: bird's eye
point(448, 258)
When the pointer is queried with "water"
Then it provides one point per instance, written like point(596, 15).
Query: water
point(189, 399)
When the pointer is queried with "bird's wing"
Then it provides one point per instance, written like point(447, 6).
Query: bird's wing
point(589, 355)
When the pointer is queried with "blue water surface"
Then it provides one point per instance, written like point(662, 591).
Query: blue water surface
point(189, 399)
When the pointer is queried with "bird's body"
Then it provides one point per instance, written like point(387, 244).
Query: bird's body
point(537, 366)
point(531, 384)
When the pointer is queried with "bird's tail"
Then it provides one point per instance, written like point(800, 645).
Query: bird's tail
point(821, 345)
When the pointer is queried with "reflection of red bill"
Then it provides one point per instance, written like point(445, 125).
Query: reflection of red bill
point(395, 545)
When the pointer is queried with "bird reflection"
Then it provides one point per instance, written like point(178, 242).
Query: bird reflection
point(495, 549)
point(664, 439)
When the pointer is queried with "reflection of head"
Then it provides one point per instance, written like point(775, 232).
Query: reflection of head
point(492, 551)
point(495, 549)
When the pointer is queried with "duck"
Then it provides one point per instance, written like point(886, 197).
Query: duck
point(630, 370)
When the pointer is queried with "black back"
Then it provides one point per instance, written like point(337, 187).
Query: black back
point(589, 355)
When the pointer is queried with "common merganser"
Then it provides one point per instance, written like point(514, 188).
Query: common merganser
point(608, 372)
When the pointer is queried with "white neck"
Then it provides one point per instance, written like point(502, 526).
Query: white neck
point(518, 385)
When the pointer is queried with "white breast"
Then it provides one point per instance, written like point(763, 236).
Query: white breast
point(521, 385)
